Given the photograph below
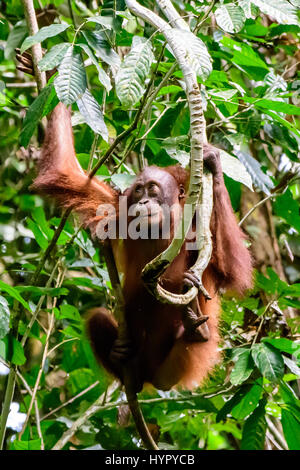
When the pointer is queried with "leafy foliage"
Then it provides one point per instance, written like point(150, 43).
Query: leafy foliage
point(245, 55)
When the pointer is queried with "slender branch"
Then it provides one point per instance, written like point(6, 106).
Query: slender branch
point(50, 246)
point(128, 370)
point(173, 16)
point(36, 49)
point(93, 409)
point(9, 393)
point(71, 400)
point(44, 357)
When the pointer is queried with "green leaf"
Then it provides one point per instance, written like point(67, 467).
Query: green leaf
point(242, 403)
point(259, 178)
point(246, 5)
point(18, 356)
point(92, 114)
point(288, 395)
point(134, 70)
point(172, 147)
point(38, 215)
point(291, 428)
point(230, 17)
point(70, 312)
point(4, 317)
point(96, 40)
point(243, 367)
point(247, 58)
point(283, 344)
point(102, 75)
point(286, 207)
point(279, 106)
point(197, 54)
point(248, 401)
point(235, 169)
point(42, 34)
point(38, 234)
point(16, 36)
point(35, 112)
point(71, 82)
point(254, 430)
point(106, 21)
point(292, 366)
point(54, 57)
point(269, 361)
point(34, 444)
point(281, 10)
point(80, 379)
point(123, 181)
point(14, 293)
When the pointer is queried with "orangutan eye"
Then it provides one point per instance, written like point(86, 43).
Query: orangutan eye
point(138, 188)
point(153, 188)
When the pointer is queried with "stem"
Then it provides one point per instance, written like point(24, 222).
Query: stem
point(93, 409)
point(9, 394)
point(50, 246)
point(128, 372)
point(36, 49)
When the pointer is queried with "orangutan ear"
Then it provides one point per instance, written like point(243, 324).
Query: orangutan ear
point(181, 192)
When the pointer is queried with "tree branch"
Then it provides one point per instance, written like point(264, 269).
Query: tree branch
point(36, 49)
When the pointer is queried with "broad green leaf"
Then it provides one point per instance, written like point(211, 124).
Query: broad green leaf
point(71, 82)
point(243, 402)
point(38, 216)
point(291, 428)
point(106, 21)
point(54, 57)
point(4, 317)
point(172, 147)
point(18, 357)
point(292, 366)
point(123, 181)
point(279, 106)
point(197, 54)
point(269, 361)
point(248, 401)
point(246, 57)
point(259, 178)
point(51, 291)
point(92, 114)
point(235, 169)
point(288, 395)
point(102, 75)
point(96, 40)
point(134, 70)
point(230, 17)
point(42, 34)
point(283, 344)
point(16, 36)
point(254, 430)
point(34, 444)
point(247, 6)
point(70, 312)
point(80, 379)
point(286, 207)
point(35, 112)
point(243, 367)
point(13, 293)
point(38, 234)
point(281, 10)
